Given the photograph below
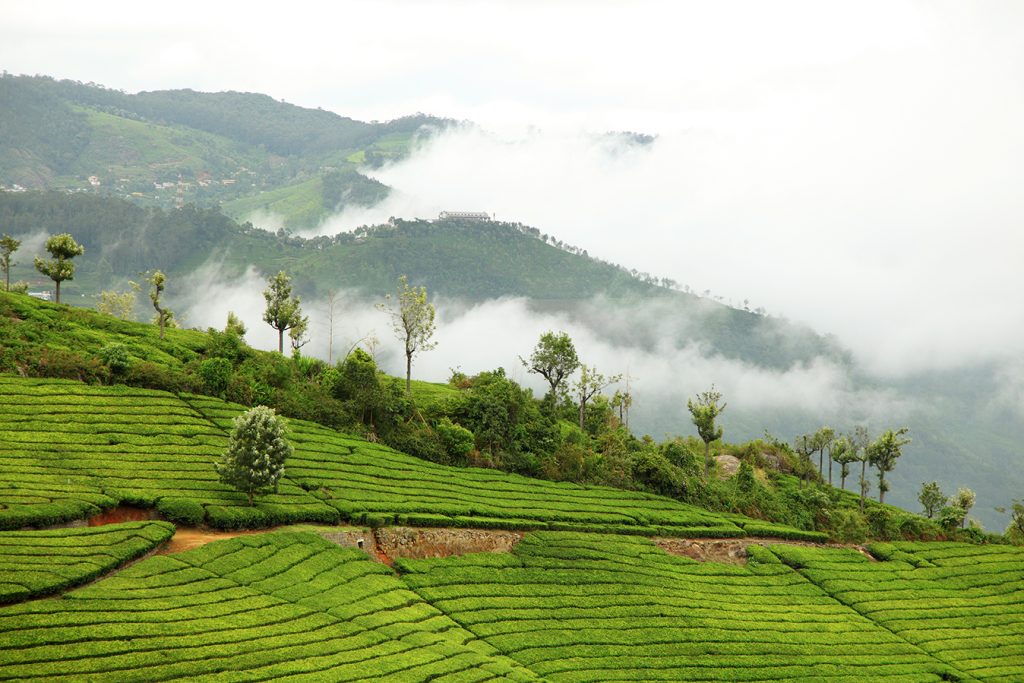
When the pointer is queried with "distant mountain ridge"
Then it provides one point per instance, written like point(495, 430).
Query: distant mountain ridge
point(167, 148)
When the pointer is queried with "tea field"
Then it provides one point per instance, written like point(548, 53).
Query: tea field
point(961, 603)
point(72, 449)
point(34, 563)
point(562, 606)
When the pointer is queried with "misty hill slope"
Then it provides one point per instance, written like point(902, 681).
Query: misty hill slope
point(157, 148)
point(455, 259)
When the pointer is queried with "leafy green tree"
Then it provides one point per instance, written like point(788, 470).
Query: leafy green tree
point(883, 453)
point(554, 358)
point(158, 282)
point(964, 499)
point(805, 446)
point(8, 245)
point(257, 450)
point(412, 321)
point(589, 384)
point(118, 304)
point(844, 454)
point(62, 248)
point(235, 325)
point(931, 498)
point(299, 335)
point(1015, 530)
point(703, 412)
point(283, 311)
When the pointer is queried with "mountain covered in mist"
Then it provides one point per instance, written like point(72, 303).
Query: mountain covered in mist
point(120, 162)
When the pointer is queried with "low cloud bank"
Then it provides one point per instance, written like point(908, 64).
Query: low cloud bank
point(485, 336)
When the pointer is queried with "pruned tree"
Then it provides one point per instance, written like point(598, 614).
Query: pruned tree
point(157, 283)
point(931, 498)
point(703, 412)
point(554, 358)
point(283, 311)
point(844, 454)
point(8, 245)
point(62, 248)
point(883, 454)
point(412, 321)
point(257, 450)
point(859, 442)
point(590, 383)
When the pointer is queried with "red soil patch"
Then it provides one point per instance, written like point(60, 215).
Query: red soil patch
point(187, 539)
point(123, 513)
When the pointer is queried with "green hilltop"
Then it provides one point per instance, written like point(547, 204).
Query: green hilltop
point(246, 151)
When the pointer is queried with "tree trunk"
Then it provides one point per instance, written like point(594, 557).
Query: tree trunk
point(707, 459)
point(881, 486)
point(830, 470)
point(583, 412)
point(163, 323)
point(863, 472)
point(58, 291)
point(280, 340)
point(821, 463)
point(250, 498)
point(842, 482)
point(408, 374)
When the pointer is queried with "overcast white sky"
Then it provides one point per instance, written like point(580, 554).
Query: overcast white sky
point(856, 166)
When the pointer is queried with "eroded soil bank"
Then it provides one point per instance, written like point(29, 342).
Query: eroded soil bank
point(734, 550)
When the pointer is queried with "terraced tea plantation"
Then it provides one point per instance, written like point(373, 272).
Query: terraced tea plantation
point(267, 607)
point(561, 607)
point(34, 563)
point(963, 604)
point(72, 449)
point(577, 607)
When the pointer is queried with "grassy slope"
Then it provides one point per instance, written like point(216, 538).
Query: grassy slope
point(562, 606)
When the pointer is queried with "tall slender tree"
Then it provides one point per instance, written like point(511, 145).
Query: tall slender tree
point(859, 442)
point(283, 311)
point(589, 384)
point(8, 245)
point(157, 283)
point(883, 453)
point(62, 248)
point(412, 321)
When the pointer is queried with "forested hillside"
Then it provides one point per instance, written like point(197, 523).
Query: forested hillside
point(169, 147)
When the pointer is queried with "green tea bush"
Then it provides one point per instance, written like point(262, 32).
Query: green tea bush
point(236, 517)
point(115, 357)
point(216, 374)
point(181, 511)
